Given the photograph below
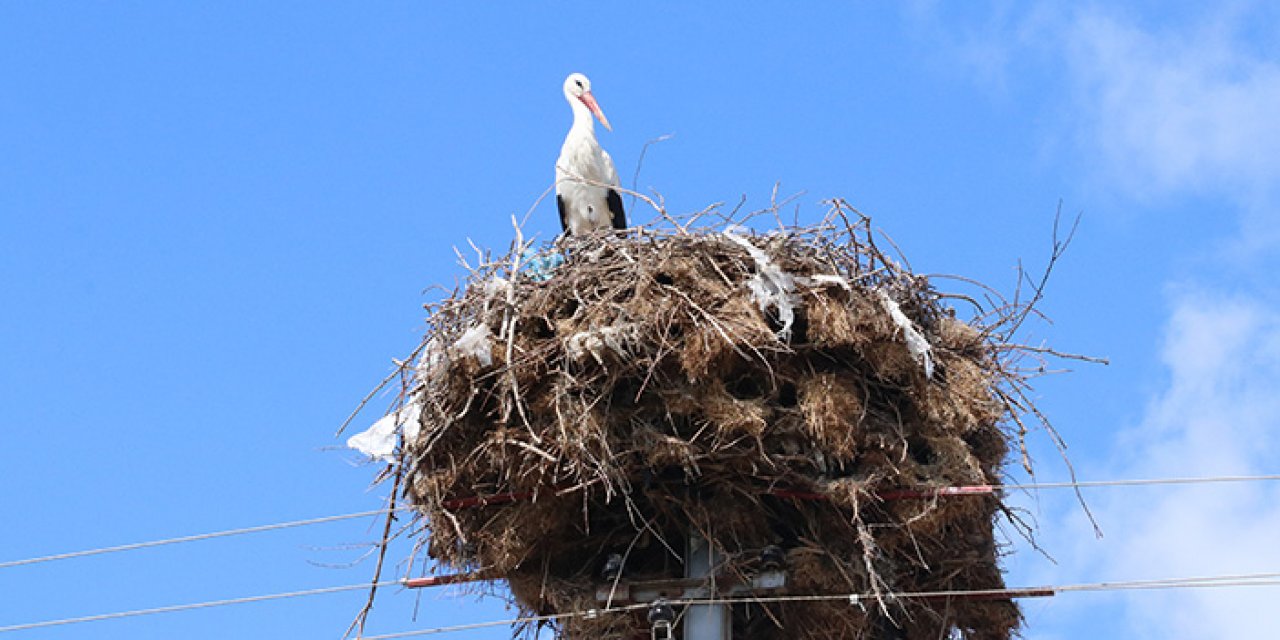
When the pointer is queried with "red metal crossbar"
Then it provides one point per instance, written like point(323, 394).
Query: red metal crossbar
point(995, 594)
point(450, 578)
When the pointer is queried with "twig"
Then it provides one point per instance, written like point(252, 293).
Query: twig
point(1059, 247)
point(359, 622)
point(635, 178)
point(400, 367)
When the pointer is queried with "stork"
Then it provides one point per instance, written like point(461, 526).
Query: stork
point(586, 182)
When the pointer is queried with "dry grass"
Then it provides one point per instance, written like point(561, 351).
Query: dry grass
point(641, 393)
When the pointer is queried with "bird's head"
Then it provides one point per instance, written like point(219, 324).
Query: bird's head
point(577, 89)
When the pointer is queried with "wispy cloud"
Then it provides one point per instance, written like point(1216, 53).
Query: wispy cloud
point(1159, 109)
point(1217, 414)
point(1155, 108)
point(1183, 109)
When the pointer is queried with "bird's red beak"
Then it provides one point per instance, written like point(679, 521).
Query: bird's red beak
point(592, 105)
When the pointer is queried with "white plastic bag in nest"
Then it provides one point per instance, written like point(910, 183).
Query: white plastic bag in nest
point(595, 341)
point(917, 345)
point(474, 343)
point(431, 363)
point(825, 280)
point(379, 441)
point(495, 288)
point(770, 286)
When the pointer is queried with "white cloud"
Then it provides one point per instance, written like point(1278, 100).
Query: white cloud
point(1187, 109)
point(1218, 414)
point(1154, 107)
point(1162, 108)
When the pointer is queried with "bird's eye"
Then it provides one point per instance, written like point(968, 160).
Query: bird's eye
point(579, 83)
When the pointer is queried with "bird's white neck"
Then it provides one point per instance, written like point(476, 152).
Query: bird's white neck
point(582, 119)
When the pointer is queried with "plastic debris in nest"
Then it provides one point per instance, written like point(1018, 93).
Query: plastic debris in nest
point(597, 341)
point(771, 286)
point(474, 343)
point(916, 343)
point(541, 266)
point(379, 441)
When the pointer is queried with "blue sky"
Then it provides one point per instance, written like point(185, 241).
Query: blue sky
point(218, 220)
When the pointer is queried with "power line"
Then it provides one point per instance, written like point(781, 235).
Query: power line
point(1236, 580)
point(493, 500)
point(188, 607)
point(1139, 482)
point(191, 538)
point(1240, 580)
point(498, 623)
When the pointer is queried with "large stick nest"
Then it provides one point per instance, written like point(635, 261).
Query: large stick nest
point(753, 389)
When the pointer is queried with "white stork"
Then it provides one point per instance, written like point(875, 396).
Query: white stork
point(586, 182)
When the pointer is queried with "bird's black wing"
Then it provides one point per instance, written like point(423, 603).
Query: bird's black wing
point(615, 207)
point(564, 217)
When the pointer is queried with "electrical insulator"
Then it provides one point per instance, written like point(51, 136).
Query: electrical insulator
point(772, 558)
point(612, 567)
point(661, 620)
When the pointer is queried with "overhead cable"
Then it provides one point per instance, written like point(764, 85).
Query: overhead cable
point(1238, 580)
point(492, 500)
point(191, 538)
point(1220, 581)
point(187, 607)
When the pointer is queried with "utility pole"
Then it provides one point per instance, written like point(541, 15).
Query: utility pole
point(704, 621)
point(704, 579)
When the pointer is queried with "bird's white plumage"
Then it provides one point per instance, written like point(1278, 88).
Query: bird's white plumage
point(584, 172)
